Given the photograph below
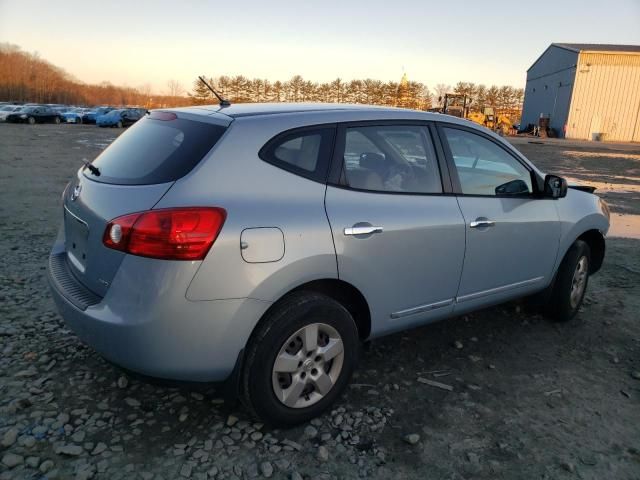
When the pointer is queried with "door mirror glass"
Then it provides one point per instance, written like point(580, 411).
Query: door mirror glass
point(514, 187)
point(555, 187)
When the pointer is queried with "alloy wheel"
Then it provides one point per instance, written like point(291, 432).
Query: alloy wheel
point(579, 281)
point(308, 365)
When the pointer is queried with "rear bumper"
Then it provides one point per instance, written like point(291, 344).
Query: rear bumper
point(145, 324)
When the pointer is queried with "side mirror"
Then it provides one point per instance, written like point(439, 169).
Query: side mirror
point(555, 187)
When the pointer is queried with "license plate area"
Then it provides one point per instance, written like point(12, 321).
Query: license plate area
point(76, 240)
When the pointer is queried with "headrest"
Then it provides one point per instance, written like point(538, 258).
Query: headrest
point(372, 161)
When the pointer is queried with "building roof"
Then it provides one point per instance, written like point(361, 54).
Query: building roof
point(589, 47)
point(598, 47)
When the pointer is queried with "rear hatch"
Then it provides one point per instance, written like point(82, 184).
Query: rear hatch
point(130, 176)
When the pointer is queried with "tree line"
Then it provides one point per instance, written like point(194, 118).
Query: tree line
point(25, 77)
point(240, 89)
point(407, 94)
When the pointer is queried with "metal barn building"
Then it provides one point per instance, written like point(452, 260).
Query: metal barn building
point(588, 91)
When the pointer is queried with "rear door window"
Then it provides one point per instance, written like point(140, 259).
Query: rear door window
point(391, 158)
point(156, 151)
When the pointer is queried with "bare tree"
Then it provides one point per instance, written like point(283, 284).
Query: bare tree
point(175, 90)
point(439, 92)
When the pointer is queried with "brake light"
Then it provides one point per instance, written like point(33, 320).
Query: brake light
point(164, 116)
point(169, 234)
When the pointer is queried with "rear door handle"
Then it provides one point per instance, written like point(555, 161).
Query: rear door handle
point(366, 230)
point(482, 223)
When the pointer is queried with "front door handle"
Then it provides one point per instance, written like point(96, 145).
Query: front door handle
point(482, 223)
point(364, 230)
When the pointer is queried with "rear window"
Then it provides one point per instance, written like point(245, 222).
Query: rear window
point(155, 151)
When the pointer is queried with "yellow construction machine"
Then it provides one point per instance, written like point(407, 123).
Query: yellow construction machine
point(458, 105)
point(489, 119)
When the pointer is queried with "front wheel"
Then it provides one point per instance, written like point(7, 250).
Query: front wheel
point(119, 124)
point(57, 120)
point(299, 360)
point(31, 120)
point(571, 283)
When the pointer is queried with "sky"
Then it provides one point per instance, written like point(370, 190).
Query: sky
point(153, 41)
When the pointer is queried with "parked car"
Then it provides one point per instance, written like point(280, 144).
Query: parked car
point(91, 115)
point(34, 114)
point(119, 118)
point(260, 244)
point(74, 115)
point(6, 110)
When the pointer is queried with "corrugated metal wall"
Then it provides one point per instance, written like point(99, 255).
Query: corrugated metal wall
point(606, 97)
point(548, 90)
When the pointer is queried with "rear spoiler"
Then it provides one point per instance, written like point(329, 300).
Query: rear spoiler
point(583, 188)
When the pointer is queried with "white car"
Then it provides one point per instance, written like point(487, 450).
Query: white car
point(6, 110)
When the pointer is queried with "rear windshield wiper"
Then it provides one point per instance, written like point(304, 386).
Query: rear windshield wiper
point(92, 168)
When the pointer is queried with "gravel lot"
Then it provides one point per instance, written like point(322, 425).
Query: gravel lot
point(528, 398)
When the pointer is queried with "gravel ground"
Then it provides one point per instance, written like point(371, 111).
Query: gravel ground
point(517, 396)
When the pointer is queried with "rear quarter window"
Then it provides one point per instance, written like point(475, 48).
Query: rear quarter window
point(156, 151)
point(305, 152)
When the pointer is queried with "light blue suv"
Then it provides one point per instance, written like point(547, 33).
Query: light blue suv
point(260, 244)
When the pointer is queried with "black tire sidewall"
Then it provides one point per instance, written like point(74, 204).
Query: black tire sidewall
point(559, 307)
point(282, 323)
point(31, 121)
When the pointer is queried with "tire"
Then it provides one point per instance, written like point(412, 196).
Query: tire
point(31, 121)
point(283, 335)
point(57, 120)
point(571, 283)
point(119, 124)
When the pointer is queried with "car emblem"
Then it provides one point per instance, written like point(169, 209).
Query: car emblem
point(76, 192)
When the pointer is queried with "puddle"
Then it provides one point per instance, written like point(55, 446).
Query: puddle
point(101, 145)
point(607, 186)
point(575, 153)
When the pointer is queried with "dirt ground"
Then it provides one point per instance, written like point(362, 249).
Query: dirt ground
point(530, 399)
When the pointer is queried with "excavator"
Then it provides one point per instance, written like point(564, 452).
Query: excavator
point(458, 105)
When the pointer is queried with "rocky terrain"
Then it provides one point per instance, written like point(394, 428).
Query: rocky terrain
point(502, 393)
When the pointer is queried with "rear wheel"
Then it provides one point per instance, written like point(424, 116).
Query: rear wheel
point(119, 124)
point(31, 120)
point(571, 283)
point(57, 120)
point(300, 359)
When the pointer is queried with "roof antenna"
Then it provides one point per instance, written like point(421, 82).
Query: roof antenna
point(223, 102)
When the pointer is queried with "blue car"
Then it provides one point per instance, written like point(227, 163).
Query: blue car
point(92, 115)
point(74, 115)
point(120, 118)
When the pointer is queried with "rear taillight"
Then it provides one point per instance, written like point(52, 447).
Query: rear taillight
point(170, 234)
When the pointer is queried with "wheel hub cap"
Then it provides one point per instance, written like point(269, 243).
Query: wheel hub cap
point(579, 281)
point(308, 365)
